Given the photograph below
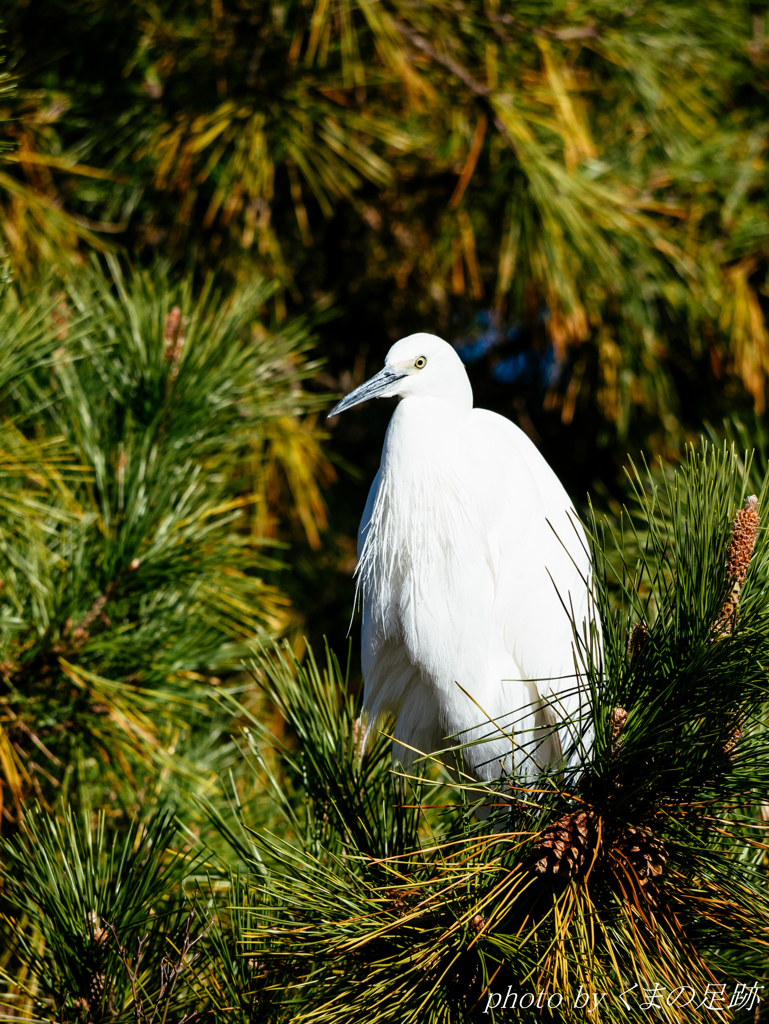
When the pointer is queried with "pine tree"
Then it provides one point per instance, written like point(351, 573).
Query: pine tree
point(590, 177)
point(139, 424)
point(95, 915)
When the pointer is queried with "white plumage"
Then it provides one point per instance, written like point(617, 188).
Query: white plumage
point(468, 552)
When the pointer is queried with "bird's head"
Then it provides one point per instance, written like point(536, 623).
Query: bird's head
point(420, 365)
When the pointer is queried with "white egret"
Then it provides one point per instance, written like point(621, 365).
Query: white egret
point(468, 556)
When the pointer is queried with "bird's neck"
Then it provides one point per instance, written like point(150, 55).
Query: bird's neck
point(420, 501)
point(419, 515)
point(422, 440)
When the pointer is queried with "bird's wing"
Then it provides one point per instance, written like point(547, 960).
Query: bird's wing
point(538, 554)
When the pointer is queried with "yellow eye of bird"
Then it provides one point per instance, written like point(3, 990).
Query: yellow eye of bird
point(419, 362)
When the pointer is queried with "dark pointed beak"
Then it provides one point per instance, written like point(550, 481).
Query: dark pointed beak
point(380, 386)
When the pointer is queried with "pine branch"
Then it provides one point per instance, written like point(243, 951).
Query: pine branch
point(170, 970)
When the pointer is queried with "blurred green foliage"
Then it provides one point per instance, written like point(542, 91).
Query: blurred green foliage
point(593, 173)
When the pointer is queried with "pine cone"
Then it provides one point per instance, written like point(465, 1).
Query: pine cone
point(640, 851)
point(95, 988)
point(398, 898)
point(566, 847)
point(465, 979)
point(744, 534)
point(95, 979)
point(639, 634)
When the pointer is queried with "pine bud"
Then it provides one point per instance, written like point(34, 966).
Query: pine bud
point(358, 738)
point(618, 718)
point(746, 524)
point(731, 744)
point(639, 634)
point(60, 316)
point(744, 534)
point(170, 331)
point(173, 338)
